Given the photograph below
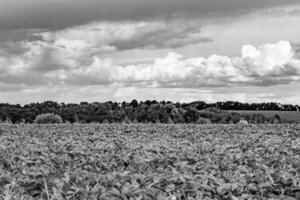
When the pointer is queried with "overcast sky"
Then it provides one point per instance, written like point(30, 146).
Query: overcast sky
point(178, 50)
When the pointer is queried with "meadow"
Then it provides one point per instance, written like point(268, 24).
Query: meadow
point(117, 161)
point(287, 115)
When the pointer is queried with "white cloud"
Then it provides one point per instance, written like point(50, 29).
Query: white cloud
point(266, 65)
point(71, 69)
point(21, 63)
point(63, 63)
point(269, 57)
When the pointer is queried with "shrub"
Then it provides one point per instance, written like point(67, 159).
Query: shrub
point(276, 119)
point(215, 115)
point(170, 121)
point(214, 110)
point(202, 120)
point(48, 118)
point(243, 122)
point(126, 120)
point(105, 121)
point(7, 121)
point(235, 118)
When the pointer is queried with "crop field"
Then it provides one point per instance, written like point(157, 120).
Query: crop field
point(287, 115)
point(152, 162)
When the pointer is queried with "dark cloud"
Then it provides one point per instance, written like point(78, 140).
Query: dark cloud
point(28, 79)
point(47, 62)
point(56, 14)
point(15, 48)
point(12, 41)
point(271, 81)
point(296, 47)
point(10, 87)
point(19, 35)
point(295, 12)
point(173, 35)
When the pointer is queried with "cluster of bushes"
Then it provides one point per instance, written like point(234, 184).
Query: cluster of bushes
point(133, 112)
point(191, 115)
point(48, 118)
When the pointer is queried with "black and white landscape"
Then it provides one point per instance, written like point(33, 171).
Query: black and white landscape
point(149, 100)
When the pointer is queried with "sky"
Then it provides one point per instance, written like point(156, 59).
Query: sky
point(177, 50)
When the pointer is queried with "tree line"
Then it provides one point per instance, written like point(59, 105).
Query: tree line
point(143, 112)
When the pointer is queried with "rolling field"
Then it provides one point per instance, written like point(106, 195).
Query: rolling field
point(288, 115)
point(150, 162)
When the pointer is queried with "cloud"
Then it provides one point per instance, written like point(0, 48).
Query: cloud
point(12, 42)
point(57, 14)
point(17, 68)
point(112, 36)
point(269, 64)
point(270, 58)
point(291, 11)
point(61, 65)
point(76, 46)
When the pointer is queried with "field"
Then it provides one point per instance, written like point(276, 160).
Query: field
point(287, 115)
point(150, 162)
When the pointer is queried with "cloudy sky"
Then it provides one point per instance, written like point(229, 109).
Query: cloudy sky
point(178, 50)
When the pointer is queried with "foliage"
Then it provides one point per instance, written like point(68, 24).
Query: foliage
point(243, 122)
point(48, 118)
point(202, 120)
point(191, 115)
point(147, 111)
point(149, 162)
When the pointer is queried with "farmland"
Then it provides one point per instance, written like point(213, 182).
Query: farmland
point(287, 115)
point(116, 161)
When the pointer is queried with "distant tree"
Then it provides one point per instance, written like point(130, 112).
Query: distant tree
point(215, 115)
point(163, 115)
point(76, 118)
point(191, 115)
point(134, 103)
point(150, 110)
point(176, 114)
point(152, 113)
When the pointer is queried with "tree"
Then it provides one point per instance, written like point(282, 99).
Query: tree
point(76, 118)
point(191, 115)
point(134, 103)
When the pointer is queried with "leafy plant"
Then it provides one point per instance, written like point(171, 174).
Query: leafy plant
point(48, 118)
point(155, 161)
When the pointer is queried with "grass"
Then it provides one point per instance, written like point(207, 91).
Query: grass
point(288, 115)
